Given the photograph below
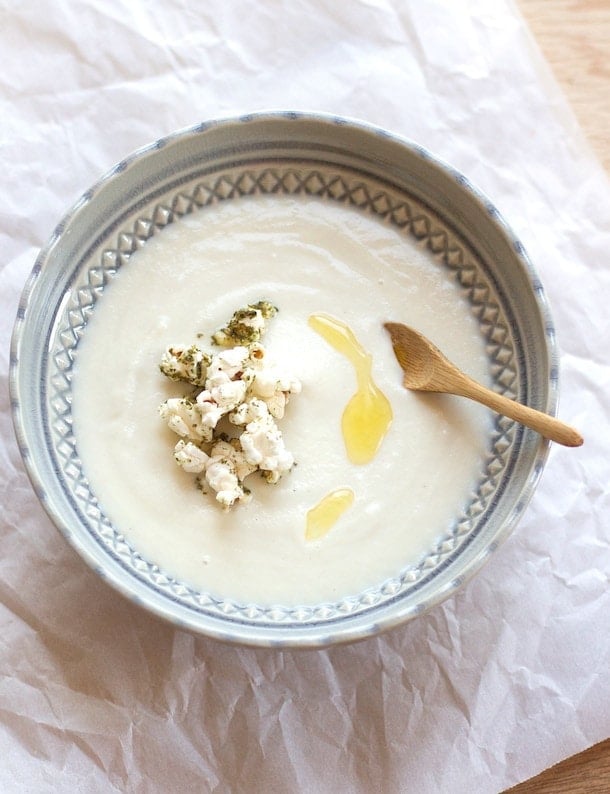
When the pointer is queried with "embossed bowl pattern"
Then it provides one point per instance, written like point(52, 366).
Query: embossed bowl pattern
point(331, 159)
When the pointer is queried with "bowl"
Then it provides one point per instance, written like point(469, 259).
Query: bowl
point(323, 157)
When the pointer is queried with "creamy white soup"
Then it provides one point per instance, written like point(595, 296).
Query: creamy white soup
point(307, 257)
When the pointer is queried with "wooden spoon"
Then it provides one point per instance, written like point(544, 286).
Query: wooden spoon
point(426, 369)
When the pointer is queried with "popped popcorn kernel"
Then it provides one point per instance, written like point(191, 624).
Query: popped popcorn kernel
point(241, 383)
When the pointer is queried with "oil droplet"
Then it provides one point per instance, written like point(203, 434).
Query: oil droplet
point(368, 414)
point(322, 517)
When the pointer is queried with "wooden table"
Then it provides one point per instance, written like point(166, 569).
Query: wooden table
point(574, 36)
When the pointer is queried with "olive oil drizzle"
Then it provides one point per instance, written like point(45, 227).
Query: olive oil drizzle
point(322, 517)
point(368, 414)
point(364, 423)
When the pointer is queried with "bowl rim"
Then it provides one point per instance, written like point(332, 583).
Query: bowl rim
point(309, 635)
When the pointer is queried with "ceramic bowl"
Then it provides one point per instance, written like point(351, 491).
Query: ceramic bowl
point(319, 156)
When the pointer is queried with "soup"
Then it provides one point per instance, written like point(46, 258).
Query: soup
point(308, 258)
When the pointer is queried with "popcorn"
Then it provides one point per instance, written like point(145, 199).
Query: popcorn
point(239, 383)
point(225, 472)
point(185, 418)
point(191, 457)
point(246, 326)
point(188, 364)
point(263, 446)
point(222, 478)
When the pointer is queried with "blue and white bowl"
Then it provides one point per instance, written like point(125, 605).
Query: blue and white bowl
point(288, 153)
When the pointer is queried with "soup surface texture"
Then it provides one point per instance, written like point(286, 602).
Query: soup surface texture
point(307, 257)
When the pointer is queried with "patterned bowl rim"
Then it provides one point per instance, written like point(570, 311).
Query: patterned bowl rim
point(311, 635)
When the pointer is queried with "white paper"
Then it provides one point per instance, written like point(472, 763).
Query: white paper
point(504, 679)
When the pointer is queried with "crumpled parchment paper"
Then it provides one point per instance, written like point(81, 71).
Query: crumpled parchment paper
point(507, 677)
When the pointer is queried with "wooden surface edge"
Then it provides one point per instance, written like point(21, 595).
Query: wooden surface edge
point(585, 773)
point(574, 38)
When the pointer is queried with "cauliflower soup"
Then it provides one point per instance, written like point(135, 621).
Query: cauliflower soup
point(309, 258)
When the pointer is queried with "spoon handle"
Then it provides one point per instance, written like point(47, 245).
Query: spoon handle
point(546, 425)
